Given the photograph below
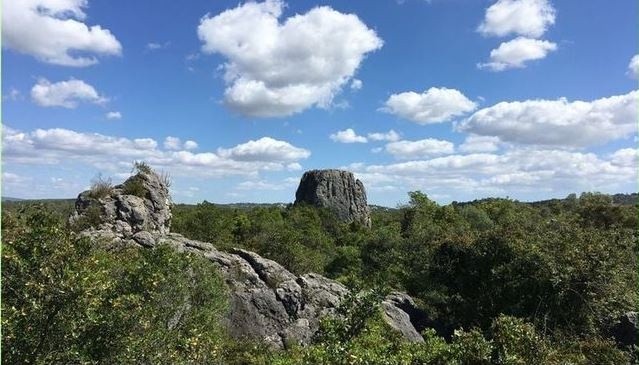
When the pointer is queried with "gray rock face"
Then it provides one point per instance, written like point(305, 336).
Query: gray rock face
point(401, 313)
point(336, 190)
point(267, 302)
point(119, 214)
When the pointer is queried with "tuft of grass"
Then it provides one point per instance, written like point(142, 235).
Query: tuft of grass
point(141, 167)
point(100, 187)
point(166, 179)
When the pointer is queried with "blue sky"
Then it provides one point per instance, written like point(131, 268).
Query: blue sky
point(461, 99)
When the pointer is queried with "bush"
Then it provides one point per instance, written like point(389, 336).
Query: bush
point(67, 301)
point(134, 186)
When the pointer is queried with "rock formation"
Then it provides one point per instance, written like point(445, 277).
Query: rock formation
point(336, 190)
point(267, 302)
point(138, 209)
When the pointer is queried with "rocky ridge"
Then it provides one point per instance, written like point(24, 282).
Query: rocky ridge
point(267, 302)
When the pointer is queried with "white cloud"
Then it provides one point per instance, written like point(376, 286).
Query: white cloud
point(435, 105)
point(633, 67)
point(14, 94)
point(475, 143)
point(190, 145)
point(294, 166)
point(58, 146)
point(356, 84)
point(265, 149)
point(66, 94)
point(522, 173)
point(154, 46)
point(11, 178)
point(390, 136)
point(347, 136)
point(559, 122)
point(175, 144)
point(114, 115)
point(419, 149)
point(172, 143)
point(53, 31)
point(275, 68)
point(515, 53)
point(626, 157)
point(529, 18)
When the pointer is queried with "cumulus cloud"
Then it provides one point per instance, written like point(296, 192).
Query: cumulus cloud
point(175, 144)
point(435, 105)
point(515, 53)
point(390, 136)
point(172, 143)
point(347, 136)
point(57, 145)
point(475, 143)
point(419, 149)
point(633, 67)
point(53, 31)
point(114, 115)
point(265, 148)
point(190, 145)
point(66, 94)
point(277, 68)
point(530, 18)
point(519, 172)
point(560, 123)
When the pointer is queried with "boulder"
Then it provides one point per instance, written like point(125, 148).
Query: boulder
point(336, 190)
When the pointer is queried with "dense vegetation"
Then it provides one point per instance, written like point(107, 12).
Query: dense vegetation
point(502, 282)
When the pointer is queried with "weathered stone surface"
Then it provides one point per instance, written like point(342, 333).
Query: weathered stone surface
point(126, 215)
point(403, 315)
point(267, 302)
point(336, 190)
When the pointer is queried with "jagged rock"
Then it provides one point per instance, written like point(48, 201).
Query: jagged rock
point(267, 302)
point(125, 214)
point(625, 330)
point(402, 314)
point(336, 190)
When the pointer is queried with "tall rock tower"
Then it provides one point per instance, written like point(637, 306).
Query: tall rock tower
point(336, 190)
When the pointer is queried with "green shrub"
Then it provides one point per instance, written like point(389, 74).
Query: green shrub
point(134, 186)
point(66, 301)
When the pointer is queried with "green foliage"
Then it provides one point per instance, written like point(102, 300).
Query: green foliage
point(502, 282)
point(100, 187)
point(91, 218)
point(134, 186)
point(68, 301)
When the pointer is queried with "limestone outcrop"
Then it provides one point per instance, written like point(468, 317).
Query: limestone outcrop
point(336, 190)
point(267, 302)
